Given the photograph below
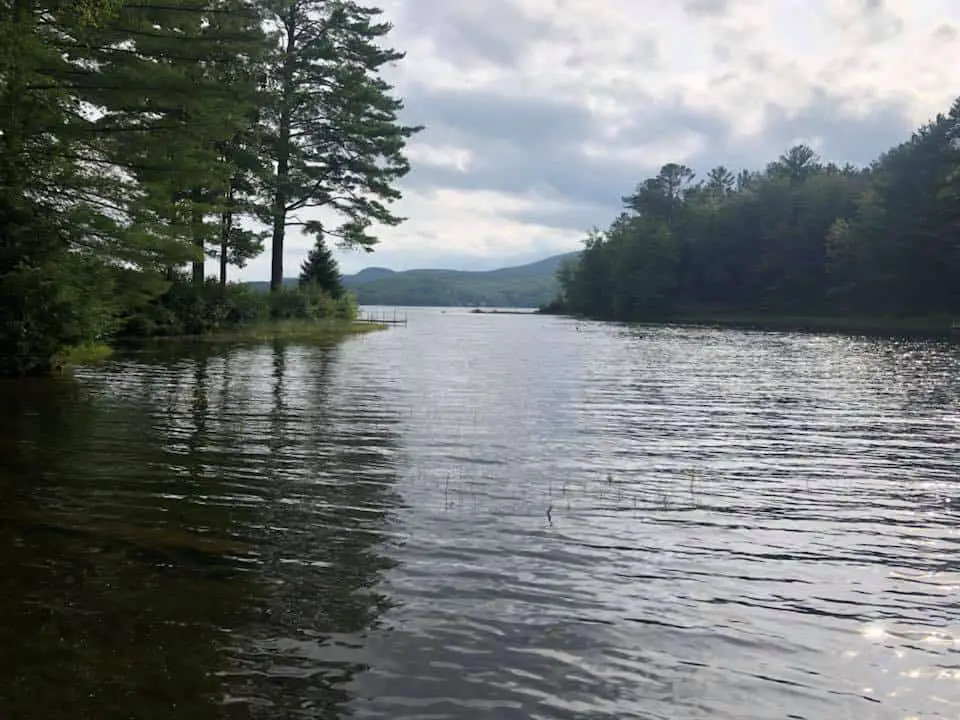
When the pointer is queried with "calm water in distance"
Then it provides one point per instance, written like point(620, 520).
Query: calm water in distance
point(487, 516)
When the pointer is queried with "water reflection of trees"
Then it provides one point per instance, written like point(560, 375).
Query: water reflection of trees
point(186, 529)
point(328, 487)
point(110, 602)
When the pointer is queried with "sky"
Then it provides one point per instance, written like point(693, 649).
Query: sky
point(541, 115)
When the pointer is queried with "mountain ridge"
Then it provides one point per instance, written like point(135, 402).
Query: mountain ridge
point(528, 285)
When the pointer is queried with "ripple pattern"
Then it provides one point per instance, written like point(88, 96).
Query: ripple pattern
point(501, 516)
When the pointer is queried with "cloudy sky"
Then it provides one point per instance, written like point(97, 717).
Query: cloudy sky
point(541, 114)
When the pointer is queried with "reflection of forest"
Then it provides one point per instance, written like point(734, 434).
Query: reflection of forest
point(179, 532)
point(327, 477)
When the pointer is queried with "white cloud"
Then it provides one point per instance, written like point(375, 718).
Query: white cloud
point(441, 156)
point(680, 148)
point(621, 86)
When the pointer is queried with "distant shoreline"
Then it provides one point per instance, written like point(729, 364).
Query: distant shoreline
point(916, 326)
point(494, 311)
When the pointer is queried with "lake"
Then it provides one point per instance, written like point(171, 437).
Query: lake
point(487, 516)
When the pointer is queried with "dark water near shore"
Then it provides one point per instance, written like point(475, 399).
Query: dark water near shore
point(742, 525)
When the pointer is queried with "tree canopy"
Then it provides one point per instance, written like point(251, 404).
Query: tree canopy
point(335, 139)
point(140, 138)
point(801, 237)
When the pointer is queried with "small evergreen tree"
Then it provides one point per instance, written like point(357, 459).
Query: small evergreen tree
point(321, 269)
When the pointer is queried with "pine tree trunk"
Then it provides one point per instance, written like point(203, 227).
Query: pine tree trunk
point(226, 222)
point(283, 156)
point(279, 225)
point(226, 227)
point(197, 218)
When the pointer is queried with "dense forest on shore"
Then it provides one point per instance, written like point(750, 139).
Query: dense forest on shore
point(140, 139)
point(801, 238)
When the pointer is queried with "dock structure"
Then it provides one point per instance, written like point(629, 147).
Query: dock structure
point(382, 317)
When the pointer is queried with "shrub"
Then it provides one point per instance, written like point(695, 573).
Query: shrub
point(189, 309)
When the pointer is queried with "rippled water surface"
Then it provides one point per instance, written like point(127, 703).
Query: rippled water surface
point(487, 516)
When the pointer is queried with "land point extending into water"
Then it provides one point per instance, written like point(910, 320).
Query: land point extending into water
point(310, 332)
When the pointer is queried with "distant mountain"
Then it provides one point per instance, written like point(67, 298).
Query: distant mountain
point(368, 274)
point(528, 285)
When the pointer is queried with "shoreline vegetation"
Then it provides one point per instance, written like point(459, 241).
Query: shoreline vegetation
point(301, 331)
point(496, 311)
point(133, 163)
point(319, 332)
point(804, 243)
point(329, 322)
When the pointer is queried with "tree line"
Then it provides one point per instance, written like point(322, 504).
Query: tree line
point(803, 237)
point(140, 139)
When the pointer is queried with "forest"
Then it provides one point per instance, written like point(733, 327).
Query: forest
point(143, 143)
point(801, 238)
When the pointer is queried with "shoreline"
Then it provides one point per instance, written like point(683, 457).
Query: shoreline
point(919, 326)
point(938, 325)
point(494, 311)
point(319, 331)
point(302, 331)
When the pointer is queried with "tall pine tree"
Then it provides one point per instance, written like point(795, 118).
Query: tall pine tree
point(113, 116)
point(63, 208)
point(172, 102)
point(337, 142)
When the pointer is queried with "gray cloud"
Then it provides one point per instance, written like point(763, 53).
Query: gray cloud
point(874, 23)
point(946, 33)
point(524, 144)
point(707, 8)
point(456, 114)
point(497, 31)
point(857, 141)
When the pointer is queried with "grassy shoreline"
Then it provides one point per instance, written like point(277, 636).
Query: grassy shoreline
point(318, 331)
point(85, 354)
point(300, 331)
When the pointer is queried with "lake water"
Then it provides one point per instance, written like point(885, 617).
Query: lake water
point(487, 516)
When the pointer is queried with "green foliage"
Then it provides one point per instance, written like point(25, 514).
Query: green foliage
point(86, 353)
point(92, 12)
point(44, 308)
point(136, 138)
point(321, 269)
point(802, 238)
point(310, 302)
point(335, 137)
point(190, 309)
point(195, 71)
